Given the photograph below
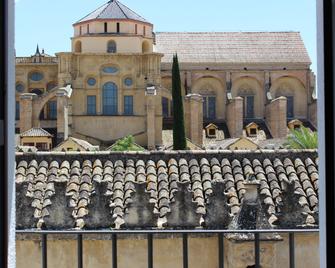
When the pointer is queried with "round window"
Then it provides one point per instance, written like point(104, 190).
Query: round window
point(36, 76)
point(128, 82)
point(19, 88)
point(110, 70)
point(91, 81)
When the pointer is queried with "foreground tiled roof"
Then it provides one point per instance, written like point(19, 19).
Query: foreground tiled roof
point(232, 47)
point(36, 132)
point(189, 189)
point(112, 10)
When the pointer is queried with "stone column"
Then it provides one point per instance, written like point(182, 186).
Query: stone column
point(62, 116)
point(151, 122)
point(26, 111)
point(276, 117)
point(313, 113)
point(194, 118)
point(235, 117)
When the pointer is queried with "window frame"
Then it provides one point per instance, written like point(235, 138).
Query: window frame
point(127, 105)
point(113, 105)
point(52, 110)
point(88, 104)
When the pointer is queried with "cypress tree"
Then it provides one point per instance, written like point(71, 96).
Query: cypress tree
point(179, 138)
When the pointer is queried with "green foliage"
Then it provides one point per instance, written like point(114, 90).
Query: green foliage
point(179, 137)
point(302, 138)
point(126, 144)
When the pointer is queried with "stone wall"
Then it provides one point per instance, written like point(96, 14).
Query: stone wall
point(167, 252)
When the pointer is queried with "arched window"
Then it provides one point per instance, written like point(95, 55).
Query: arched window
point(111, 47)
point(209, 107)
point(110, 99)
point(77, 47)
point(37, 91)
point(145, 47)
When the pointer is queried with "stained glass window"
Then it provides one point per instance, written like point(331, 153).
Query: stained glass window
point(110, 99)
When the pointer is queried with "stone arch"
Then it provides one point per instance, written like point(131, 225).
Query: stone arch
point(145, 47)
point(111, 46)
point(41, 102)
point(289, 86)
point(50, 85)
point(49, 110)
point(250, 86)
point(78, 47)
point(212, 86)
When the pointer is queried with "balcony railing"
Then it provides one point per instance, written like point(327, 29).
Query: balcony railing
point(40, 60)
point(150, 236)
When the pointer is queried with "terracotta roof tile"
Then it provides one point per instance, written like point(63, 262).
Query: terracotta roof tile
point(164, 190)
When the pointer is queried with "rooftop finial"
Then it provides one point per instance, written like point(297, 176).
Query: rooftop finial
point(37, 51)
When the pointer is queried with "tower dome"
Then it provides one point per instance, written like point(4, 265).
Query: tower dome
point(112, 28)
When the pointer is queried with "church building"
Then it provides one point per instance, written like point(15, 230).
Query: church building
point(116, 81)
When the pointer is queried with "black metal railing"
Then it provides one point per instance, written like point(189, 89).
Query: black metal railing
point(150, 236)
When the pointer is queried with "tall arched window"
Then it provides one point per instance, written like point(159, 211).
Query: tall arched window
point(110, 98)
point(145, 47)
point(111, 47)
point(77, 47)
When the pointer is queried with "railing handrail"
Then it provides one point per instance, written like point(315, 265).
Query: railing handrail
point(165, 231)
point(31, 60)
point(149, 233)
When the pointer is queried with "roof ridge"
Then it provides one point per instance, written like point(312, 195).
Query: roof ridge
point(117, 3)
point(91, 12)
point(202, 32)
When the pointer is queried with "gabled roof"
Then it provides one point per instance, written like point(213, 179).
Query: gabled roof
point(211, 125)
point(232, 47)
point(224, 145)
point(36, 132)
point(112, 10)
point(251, 124)
point(82, 143)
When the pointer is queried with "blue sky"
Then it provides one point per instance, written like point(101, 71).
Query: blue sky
point(49, 22)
